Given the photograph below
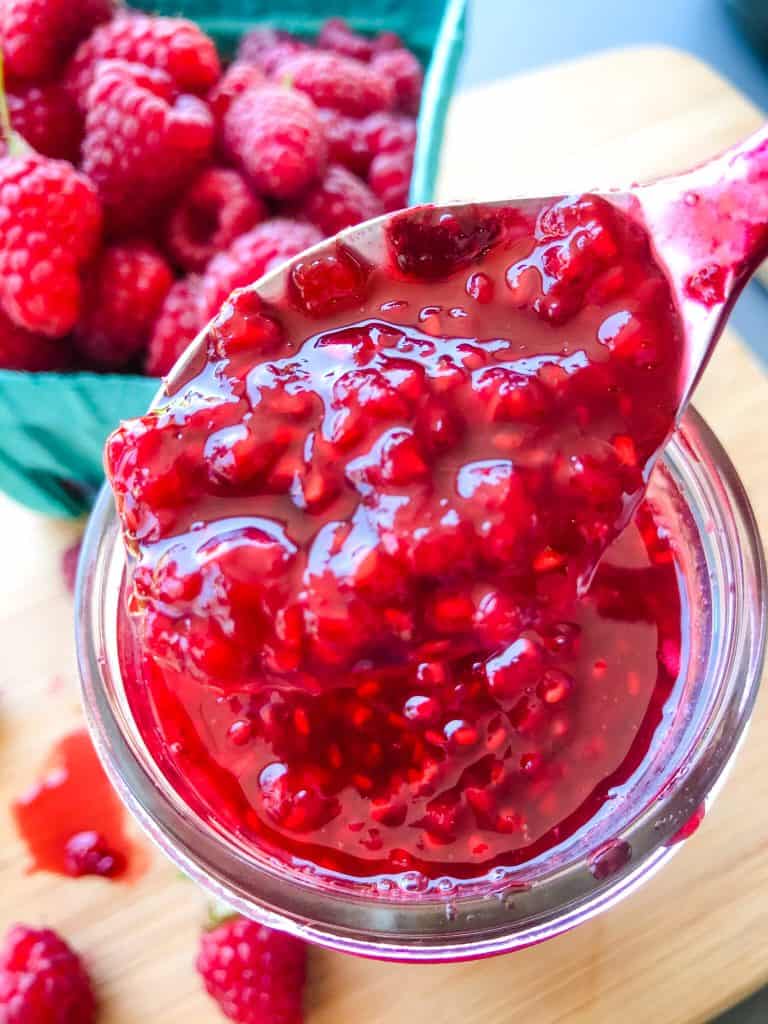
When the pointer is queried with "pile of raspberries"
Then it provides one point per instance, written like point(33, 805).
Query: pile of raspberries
point(140, 181)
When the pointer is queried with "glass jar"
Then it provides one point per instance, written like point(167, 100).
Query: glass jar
point(697, 493)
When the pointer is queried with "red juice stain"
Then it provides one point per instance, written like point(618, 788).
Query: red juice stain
point(72, 820)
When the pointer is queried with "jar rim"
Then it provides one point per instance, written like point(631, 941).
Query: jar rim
point(487, 918)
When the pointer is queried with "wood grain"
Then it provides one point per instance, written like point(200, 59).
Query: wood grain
point(689, 944)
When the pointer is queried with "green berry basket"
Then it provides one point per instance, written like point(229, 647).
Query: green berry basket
point(53, 425)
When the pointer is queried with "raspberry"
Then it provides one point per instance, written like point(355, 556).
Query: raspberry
point(338, 201)
point(388, 133)
point(50, 221)
point(236, 79)
point(179, 321)
point(267, 48)
point(403, 69)
point(38, 36)
point(276, 136)
point(173, 45)
point(140, 145)
point(339, 82)
point(255, 974)
point(23, 350)
point(338, 36)
point(252, 255)
point(216, 208)
point(42, 980)
point(69, 559)
point(346, 140)
point(88, 853)
point(390, 178)
point(45, 116)
point(387, 41)
point(123, 296)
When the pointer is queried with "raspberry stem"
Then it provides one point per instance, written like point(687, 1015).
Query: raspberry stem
point(15, 143)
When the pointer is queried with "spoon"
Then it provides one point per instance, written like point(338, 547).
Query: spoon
point(708, 229)
point(681, 249)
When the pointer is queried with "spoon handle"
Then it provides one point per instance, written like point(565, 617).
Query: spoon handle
point(709, 228)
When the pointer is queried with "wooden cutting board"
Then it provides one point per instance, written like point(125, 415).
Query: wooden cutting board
point(694, 940)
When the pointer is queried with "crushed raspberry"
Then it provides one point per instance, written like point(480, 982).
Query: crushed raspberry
point(24, 350)
point(267, 48)
point(276, 136)
point(709, 284)
point(402, 68)
point(88, 853)
point(178, 322)
point(339, 83)
point(389, 177)
point(237, 79)
point(337, 35)
point(251, 256)
point(38, 36)
point(50, 222)
point(386, 614)
point(432, 244)
point(42, 980)
point(255, 974)
point(141, 144)
point(124, 292)
point(216, 208)
point(45, 116)
point(339, 200)
point(173, 45)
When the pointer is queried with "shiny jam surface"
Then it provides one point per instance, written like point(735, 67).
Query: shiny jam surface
point(364, 625)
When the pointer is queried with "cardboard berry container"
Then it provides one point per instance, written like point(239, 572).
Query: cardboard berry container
point(53, 425)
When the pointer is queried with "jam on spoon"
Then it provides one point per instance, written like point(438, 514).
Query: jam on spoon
point(394, 598)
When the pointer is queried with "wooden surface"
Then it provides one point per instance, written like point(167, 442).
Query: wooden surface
point(694, 940)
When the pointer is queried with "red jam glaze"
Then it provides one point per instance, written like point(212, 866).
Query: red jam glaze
point(71, 819)
point(361, 626)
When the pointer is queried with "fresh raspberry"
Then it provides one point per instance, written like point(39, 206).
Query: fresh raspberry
point(252, 255)
point(179, 321)
point(388, 133)
point(23, 350)
point(337, 35)
point(173, 45)
point(141, 145)
point(38, 36)
point(339, 82)
point(276, 136)
point(385, 41)
point(346, 140)
point(338, 201)
point(267, 48)
point(390, 178)
point(403, 69)
point(50, 222)
point(233, 83)
point(216, 208)
point(42, 980)
point(69, 559)
point(255, 974)
point(45, 116)
point(123, 296)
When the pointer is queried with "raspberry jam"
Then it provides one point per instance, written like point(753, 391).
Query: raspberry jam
point(395, 601)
